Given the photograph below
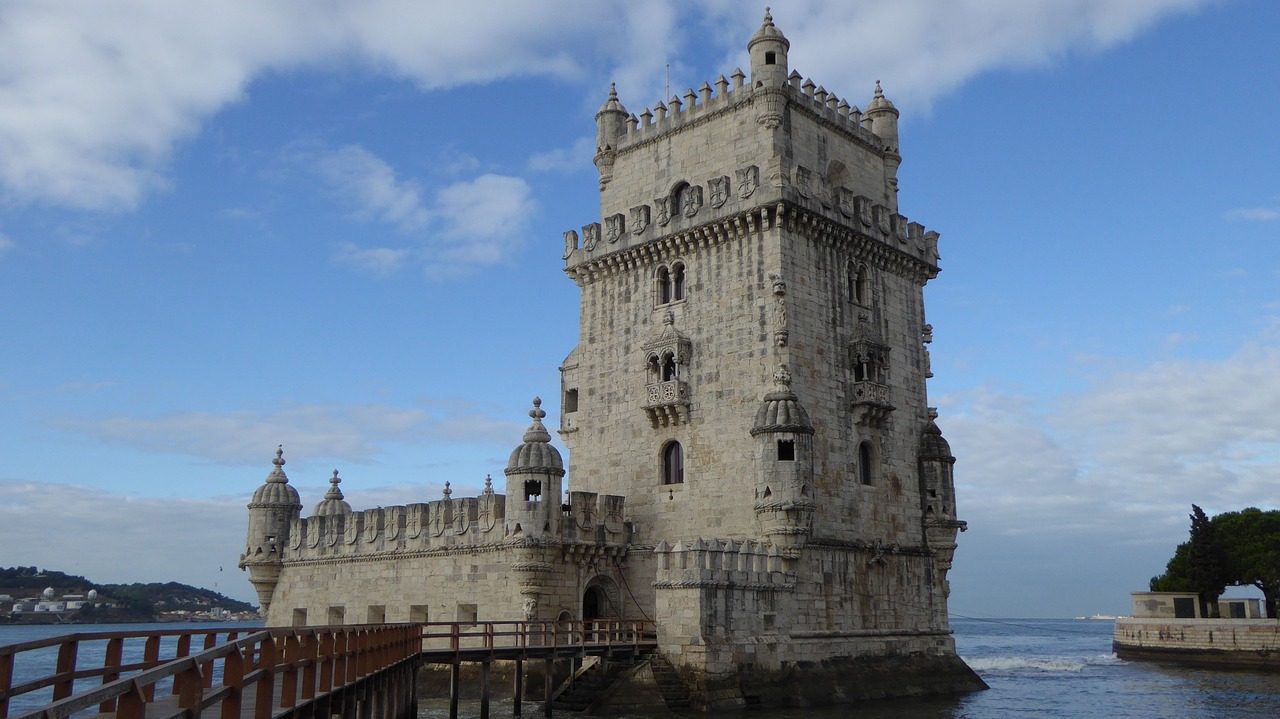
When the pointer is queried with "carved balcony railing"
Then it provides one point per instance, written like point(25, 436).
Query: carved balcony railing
point(871, 406)
point(668, 403)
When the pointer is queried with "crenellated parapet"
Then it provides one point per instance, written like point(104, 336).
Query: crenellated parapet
point(722, 563)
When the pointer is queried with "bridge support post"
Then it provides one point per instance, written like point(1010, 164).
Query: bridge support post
point(484, 690)
point(455, 686)
point(517, 690)
point(547, 687)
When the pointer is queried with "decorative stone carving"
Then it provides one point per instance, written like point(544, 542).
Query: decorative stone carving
point(692, 200)
point(591, 235)
point(639, 219)
point(570, 243)
point(719, 188)
point(848, 202)
point(615, 226)
point(882, 219)
point(748, 181)
point(663, 205)
point(864, 211)
point(804, 182)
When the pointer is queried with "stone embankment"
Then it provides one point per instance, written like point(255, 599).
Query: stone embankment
point(1245, 643)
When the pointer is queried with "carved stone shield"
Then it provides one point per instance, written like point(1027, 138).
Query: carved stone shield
point(719, 187)
point(614, 227)
point(591, 235)
point(748, 181)
point(639, 219)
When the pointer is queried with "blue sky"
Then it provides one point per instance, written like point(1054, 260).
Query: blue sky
point(337, 226)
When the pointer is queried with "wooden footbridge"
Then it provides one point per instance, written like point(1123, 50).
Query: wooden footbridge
point(356, 671)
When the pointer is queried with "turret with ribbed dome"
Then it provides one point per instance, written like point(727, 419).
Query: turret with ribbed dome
point(333, 502)
point(611, 126)
point(534, 473)
point(784, 481)
point(768, 49)
point(275, 504)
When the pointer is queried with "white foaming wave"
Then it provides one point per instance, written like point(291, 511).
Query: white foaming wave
point(1010, 664)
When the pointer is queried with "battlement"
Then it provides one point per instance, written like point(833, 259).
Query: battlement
point(679, 111)
point(465, 523)
point(722, 563)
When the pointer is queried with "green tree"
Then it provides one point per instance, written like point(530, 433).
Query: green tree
point(1206, 561)
point(1251, 538)
point(1231, 549)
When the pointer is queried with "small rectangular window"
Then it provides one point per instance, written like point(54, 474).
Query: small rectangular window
point(786, 450)
point(770, 58)
point(337, 615)
point(571, 400)
point(377, 614)
point(299, 617)
point(418, 613)
point(532, 491)
point(467, 613)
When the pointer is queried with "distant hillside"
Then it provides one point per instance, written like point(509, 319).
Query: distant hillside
point(143, 599)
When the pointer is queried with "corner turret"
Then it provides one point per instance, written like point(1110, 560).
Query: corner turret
point(881, 118)
point(768, 49)
point(937, 491)
point(534, 474)
point(273, 507)
point(611, 127)
point(784, 481)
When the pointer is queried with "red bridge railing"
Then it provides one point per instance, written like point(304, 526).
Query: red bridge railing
point(305, 662)
point(272, 670)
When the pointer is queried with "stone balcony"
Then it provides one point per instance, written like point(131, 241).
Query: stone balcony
point(871, 406)
point(667, 403)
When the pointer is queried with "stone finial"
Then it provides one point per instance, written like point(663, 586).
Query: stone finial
point(277, 473)
point(488, 484)
point(334, 492)
point(447, 490)
point(782, 377)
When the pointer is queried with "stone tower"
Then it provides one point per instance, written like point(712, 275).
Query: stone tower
point(751, 375)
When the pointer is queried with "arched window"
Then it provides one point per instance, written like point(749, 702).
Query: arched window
point(668, 368)
point(678, 198)
point(677, 281)
point(858, 278)
point(865, 466)
point(672, 464)
point(664, 285)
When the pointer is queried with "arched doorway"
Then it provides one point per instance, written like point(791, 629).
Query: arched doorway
point(594, 604)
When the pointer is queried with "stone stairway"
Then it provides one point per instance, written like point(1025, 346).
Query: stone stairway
point(586, 688)
point(674, 691)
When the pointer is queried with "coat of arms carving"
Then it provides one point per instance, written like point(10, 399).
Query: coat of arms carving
point(719, 187)
point(748, 181)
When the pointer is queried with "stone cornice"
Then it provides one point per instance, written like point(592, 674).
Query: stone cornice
point(745, 223)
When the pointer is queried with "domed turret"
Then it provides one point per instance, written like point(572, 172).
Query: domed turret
point(536, 454)
point(273, 507)
point(781, 410)
point(534, 473)
point(768, 49)
point(333, 502)
point(276, 493)
point(883, 117)
point(784, 479)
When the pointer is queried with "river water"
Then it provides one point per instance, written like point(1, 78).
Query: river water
point(1036, 668)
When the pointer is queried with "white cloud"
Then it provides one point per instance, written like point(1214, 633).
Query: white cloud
point(371, 186)
point(1125, 456)
point(1259, 214)
point(95, 96)
point(374, 260)
point(565, 159)
point(351, 433)
point(6, 244)
point(468, 224)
